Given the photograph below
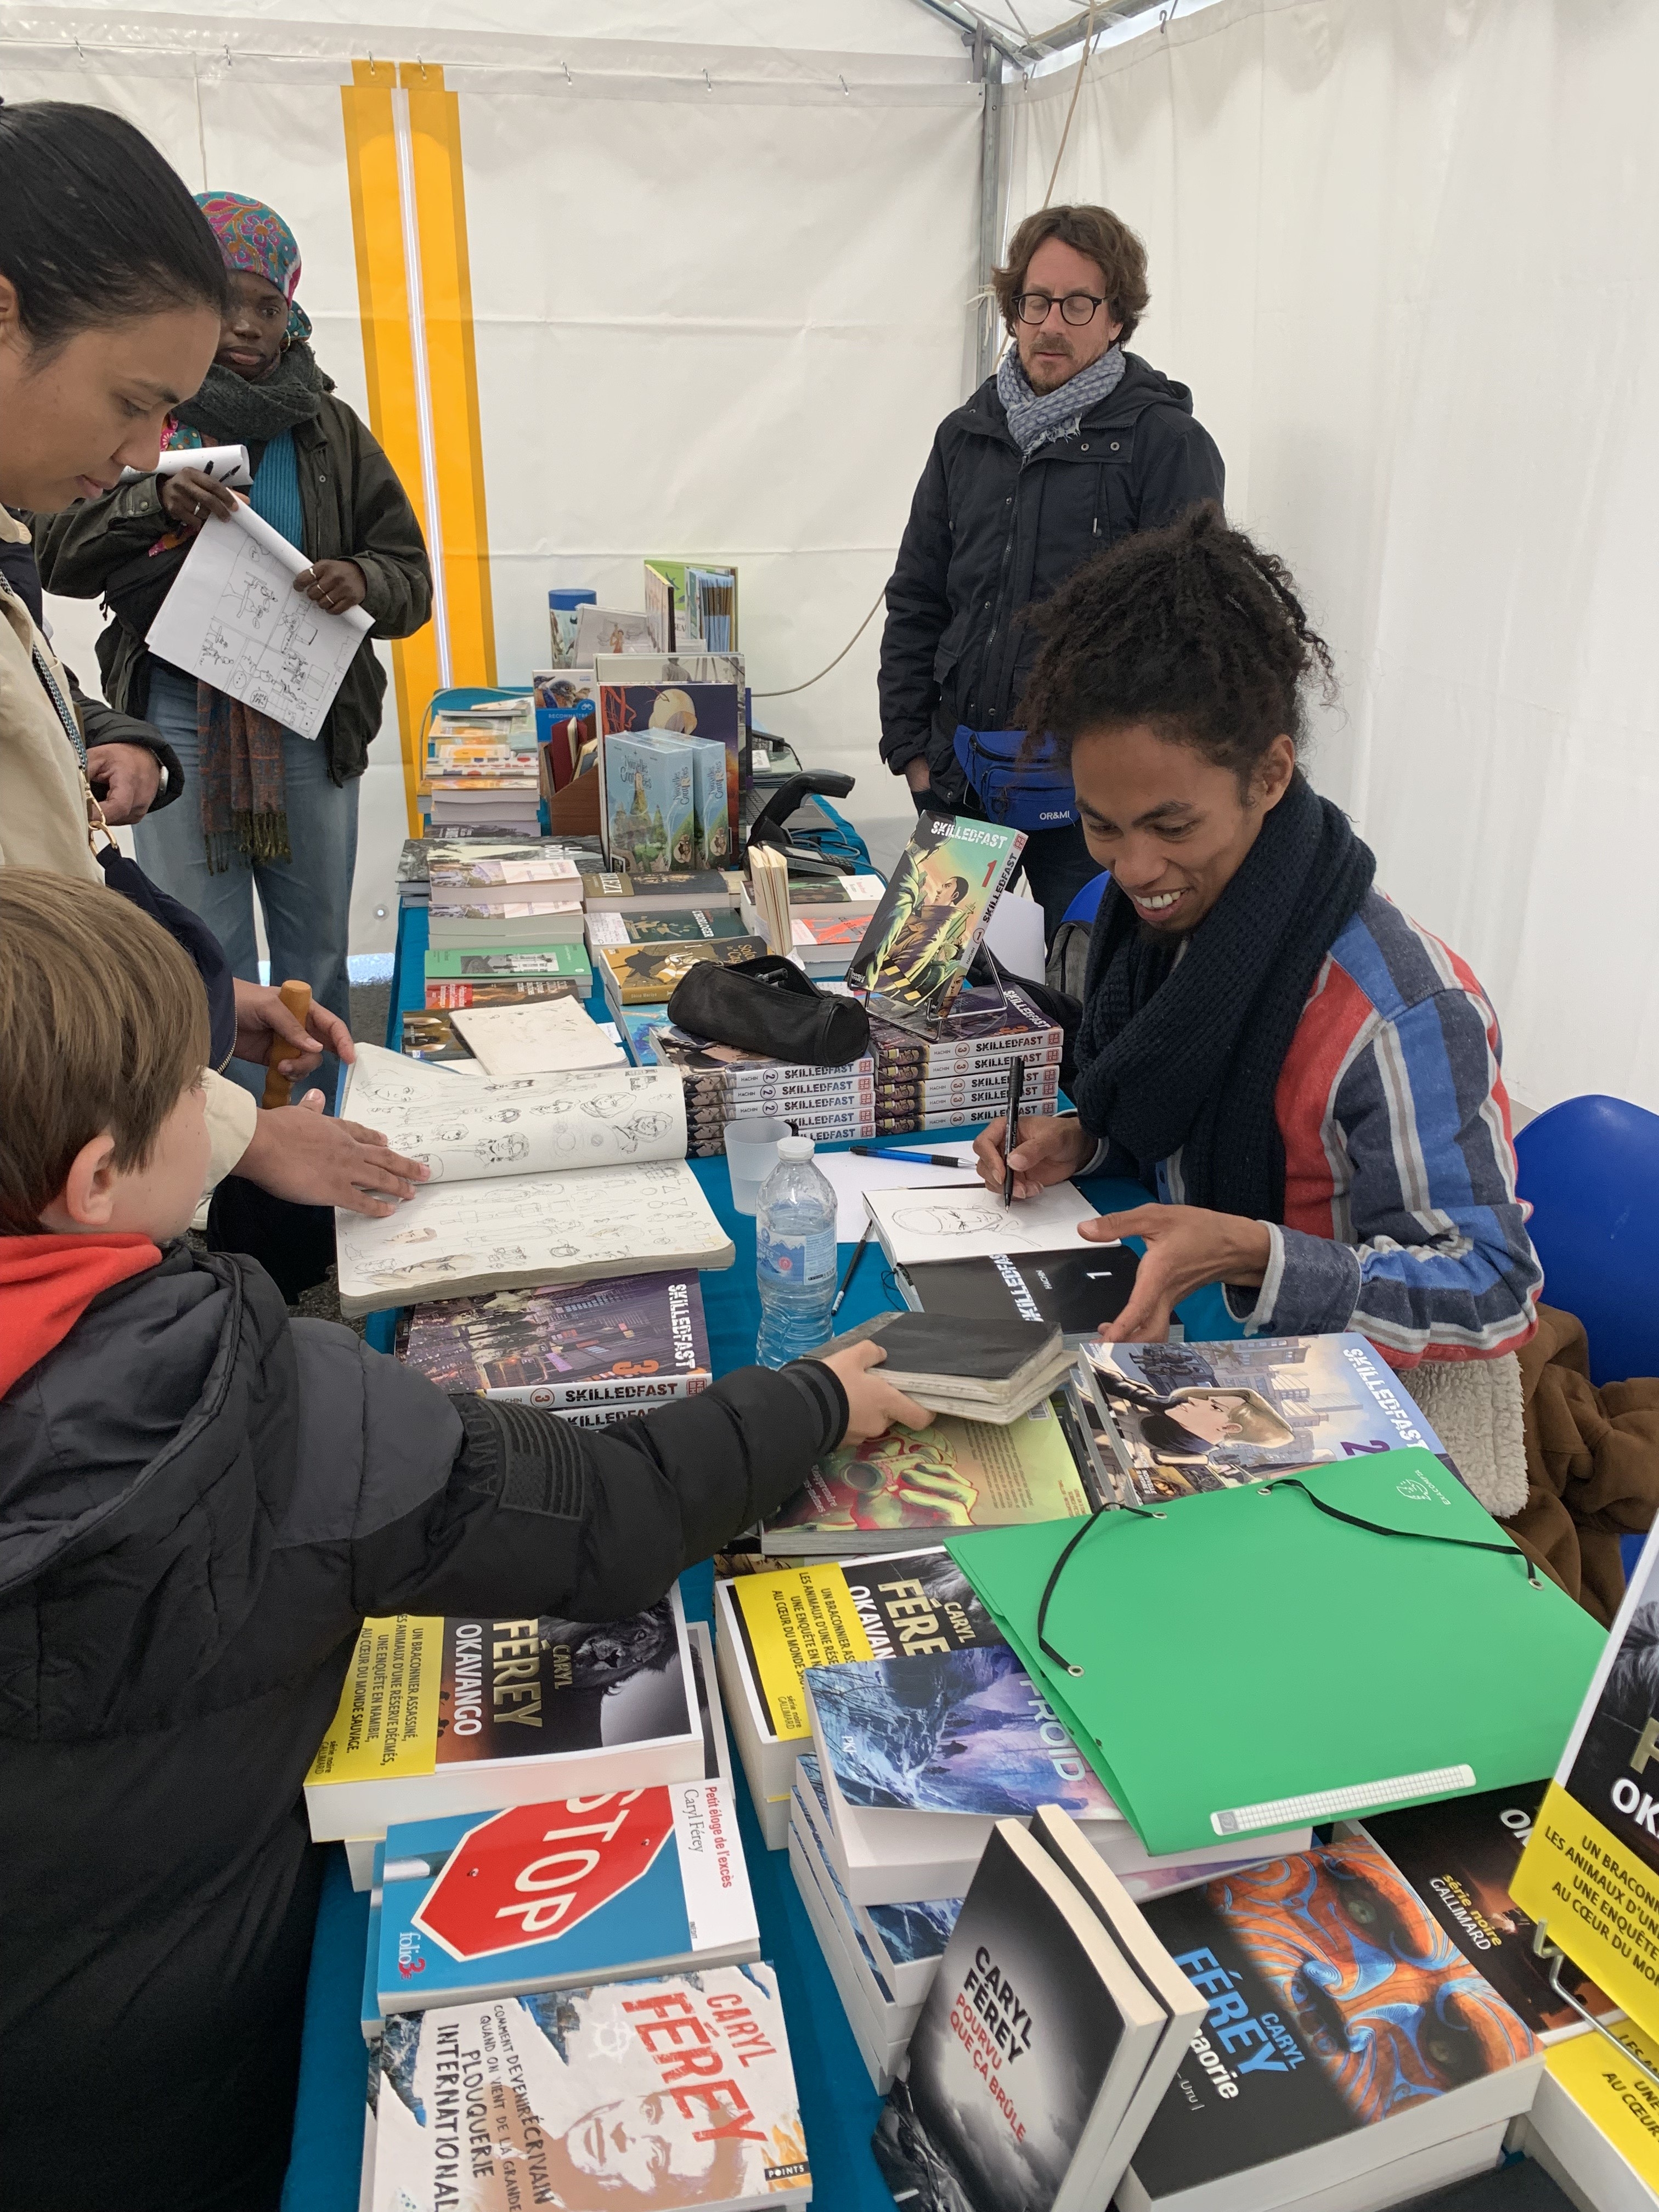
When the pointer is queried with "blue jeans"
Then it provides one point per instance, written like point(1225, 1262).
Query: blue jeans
point(305, 900)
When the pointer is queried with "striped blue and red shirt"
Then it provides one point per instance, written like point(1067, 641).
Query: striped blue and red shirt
point(1401, 1219)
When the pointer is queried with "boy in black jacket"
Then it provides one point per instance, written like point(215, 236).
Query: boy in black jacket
point(200, 1500)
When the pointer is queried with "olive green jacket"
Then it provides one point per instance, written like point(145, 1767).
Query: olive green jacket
point(353, 508)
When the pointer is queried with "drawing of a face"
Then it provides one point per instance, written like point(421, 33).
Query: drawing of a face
point(503, 1114)
point(899, 1475)
point(1218, 1417)
point(413, 1237)
point(494, 1151)
point(948, 1220)
point(642, 2151)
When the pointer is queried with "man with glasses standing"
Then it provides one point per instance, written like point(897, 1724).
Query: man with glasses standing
point(1072, 444)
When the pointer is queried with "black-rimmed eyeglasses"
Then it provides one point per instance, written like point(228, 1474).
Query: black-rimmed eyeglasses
point(1076, 308)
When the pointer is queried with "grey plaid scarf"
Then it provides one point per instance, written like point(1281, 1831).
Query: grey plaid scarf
point(1034, 417)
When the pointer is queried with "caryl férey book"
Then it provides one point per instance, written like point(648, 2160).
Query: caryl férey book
point(668, 2093)
point(827, 1612)
point(634, 1340)
point(1337, 2004)
point(459, 1714)
point(1188, 1417)
point(1460, 1856)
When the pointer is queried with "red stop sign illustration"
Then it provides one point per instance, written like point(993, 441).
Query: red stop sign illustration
point(531, 1875)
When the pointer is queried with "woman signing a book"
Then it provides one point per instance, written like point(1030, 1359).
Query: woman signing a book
point(268, 807)
point(1308, 1079)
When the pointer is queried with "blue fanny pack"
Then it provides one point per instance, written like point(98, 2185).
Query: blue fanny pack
point(1034, 794)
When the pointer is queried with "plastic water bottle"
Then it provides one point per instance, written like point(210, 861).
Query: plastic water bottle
point(794, 1257)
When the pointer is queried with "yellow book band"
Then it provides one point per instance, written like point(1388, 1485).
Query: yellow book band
point(1599, 1901)
point(387, 1722)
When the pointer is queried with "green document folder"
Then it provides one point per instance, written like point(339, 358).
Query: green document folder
point(1250, 1663)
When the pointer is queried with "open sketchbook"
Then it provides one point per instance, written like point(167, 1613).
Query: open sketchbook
point(233, 619)
point(540, 1179)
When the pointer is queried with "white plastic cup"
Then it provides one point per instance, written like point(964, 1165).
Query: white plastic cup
point(751, 1153)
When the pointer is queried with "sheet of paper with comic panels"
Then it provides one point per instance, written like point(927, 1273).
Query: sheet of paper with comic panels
point(537, 1179)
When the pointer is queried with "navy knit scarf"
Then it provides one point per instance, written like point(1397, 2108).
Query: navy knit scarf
point(1185, 1056)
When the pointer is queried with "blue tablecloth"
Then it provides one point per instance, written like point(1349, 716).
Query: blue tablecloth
point(838, 2105)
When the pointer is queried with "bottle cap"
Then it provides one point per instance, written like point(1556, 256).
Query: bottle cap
point(795, 1148)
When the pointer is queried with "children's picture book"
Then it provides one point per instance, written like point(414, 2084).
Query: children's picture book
point(634, 1340)
point(1182, 1418)
point(673, 926)
point(590, 2091)
point(1344, 2029)
point(1459, 1857)
point(443, 1716)
point(646, 803)
point(917, 1483)
point(1029, 2046)
point(1599, 1813)
point(641, 975)
point(711, 792)
point(915, 956)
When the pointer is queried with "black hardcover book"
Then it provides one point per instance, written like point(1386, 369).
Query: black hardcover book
point(1073, 1291)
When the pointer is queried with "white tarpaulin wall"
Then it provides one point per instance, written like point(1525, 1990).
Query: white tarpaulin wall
point(720, 296)
point(1403, 250)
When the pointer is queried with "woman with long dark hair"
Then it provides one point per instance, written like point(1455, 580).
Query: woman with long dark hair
point(272, 809)
point(1309, 1080)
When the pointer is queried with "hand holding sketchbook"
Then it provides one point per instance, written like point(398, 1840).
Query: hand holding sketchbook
point(504, 1208)
point(232, 619)
point(1374, 1668)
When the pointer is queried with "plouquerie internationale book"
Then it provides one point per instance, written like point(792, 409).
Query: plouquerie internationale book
point(1182, 1418)
point(672, 2093)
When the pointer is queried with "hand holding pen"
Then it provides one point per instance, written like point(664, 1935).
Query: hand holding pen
point(1051, 1149)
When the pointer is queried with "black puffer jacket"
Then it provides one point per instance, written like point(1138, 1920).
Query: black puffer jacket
point(990, 532)
point(199, 1502)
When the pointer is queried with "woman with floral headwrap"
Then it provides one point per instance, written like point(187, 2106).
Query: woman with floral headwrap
point(270, 809)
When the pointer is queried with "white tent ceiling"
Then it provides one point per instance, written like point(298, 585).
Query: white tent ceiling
point(723, 256)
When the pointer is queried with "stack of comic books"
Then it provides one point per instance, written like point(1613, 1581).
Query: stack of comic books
point(592, 1353)
point(963, 1073)
point(724, 1084)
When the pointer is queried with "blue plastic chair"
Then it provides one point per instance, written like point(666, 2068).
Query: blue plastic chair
point(1590, 1168)
point(1086, 905)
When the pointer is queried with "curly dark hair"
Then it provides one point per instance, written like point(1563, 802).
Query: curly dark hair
point(1195, 630)
point(1095, 232)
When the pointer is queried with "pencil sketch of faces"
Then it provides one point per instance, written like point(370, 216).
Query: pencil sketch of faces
point(407, 1140)
point(948, 1221)
point(503, 1114)
point(494, 1151)
point(556, 1106)
point(644, 1128)
point(413, 1237)
point(606, 1104)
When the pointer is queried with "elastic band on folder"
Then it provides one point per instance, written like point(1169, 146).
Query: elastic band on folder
point(1265, 1490)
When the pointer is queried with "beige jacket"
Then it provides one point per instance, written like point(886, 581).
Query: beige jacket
point(43, 814)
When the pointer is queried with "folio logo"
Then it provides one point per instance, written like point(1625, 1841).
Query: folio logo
point(531, 1875)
